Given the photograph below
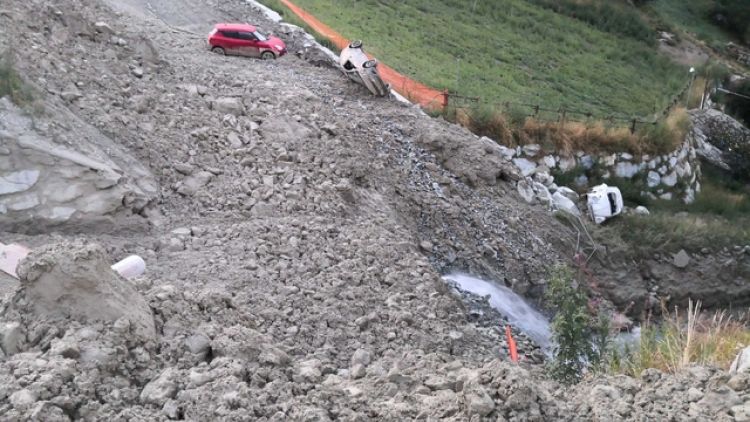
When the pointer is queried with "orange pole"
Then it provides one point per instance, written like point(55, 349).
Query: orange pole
point(511, 344)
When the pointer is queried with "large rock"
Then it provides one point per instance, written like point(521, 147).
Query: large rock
point(670, 179)
point(526, 166)
point(681, 259)
point(741, 362)
point(76, 173)
point(561, 202)
point(229, 105)
point(722, 141)
point(160, 389)
point(473, 160)
point(525, 190)
point(18, 181)
point(568, 193)
point(74, 280)
point(626, 169)
point(284, 129)
point(653, 179)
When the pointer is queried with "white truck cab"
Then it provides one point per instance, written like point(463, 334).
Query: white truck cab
point(604, 202)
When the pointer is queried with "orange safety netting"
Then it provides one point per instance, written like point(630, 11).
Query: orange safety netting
point(414, 91)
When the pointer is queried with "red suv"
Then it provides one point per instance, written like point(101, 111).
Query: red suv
point(240, 39)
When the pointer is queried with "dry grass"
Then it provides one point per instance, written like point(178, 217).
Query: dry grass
point(568, 136)
point(684, 339)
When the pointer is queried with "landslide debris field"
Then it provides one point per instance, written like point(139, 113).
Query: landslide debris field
point(295, 231)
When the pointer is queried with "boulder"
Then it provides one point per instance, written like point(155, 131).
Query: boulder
point(531, 150)
point(191, 184)
point(568, 193)
point(562, 203)
point(160, 389)
point(11, 337)
point(526, 166)
point(626, 169)
point(670, 179)
point(681, 259)
point(74, 280)
point(653, 179)
point(525, 190)
point(741, 362)
point(18, 181)
point(721, 140)
point(229, 105)
point(542, 193)
point(567, 164)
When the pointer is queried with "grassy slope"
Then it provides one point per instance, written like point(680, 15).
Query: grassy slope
point(719, 217)
point(510, 50)
point(691, 16)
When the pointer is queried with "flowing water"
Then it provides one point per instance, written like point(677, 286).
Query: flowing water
point(512, 306)
point(522, 315)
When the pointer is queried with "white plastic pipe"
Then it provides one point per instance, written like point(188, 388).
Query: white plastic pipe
point(130, 267)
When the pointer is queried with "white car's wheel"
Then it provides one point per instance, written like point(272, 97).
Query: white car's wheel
point(370, 64)
point(356, 44)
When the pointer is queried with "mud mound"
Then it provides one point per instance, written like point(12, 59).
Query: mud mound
point(73, 281)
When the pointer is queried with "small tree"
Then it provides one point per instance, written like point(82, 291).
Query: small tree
point(571, 327)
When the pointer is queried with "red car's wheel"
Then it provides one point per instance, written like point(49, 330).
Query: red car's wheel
point(218, 50)
point(267, 55)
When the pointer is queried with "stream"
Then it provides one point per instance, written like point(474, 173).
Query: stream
point(521, 314)
point(511, 305)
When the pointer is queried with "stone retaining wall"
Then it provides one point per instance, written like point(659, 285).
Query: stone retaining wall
point(670, 176)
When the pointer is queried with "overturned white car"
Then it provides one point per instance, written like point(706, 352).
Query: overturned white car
point(604, 202)
point(361, 69)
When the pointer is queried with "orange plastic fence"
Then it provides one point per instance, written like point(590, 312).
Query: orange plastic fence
point(414, 91)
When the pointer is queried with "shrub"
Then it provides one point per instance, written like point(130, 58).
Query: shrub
point(683, 339)
point(608, 16)
point(11, 84)
point(571, 327)
point(733, 15)
point(666, 135)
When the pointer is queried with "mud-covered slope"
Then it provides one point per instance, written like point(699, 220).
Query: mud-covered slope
point(295, 244)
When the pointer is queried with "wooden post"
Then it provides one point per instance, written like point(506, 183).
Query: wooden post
point(632, 127)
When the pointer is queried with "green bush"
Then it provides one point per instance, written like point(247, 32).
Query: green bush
point(11, 84)
point(608, 16)
point(734, 16)
point(572, 330)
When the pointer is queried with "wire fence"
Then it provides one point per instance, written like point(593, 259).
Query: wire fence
point(443, 100)
point(541, 112)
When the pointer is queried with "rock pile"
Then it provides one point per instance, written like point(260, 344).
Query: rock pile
point(722, 141)
point(669, 176)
